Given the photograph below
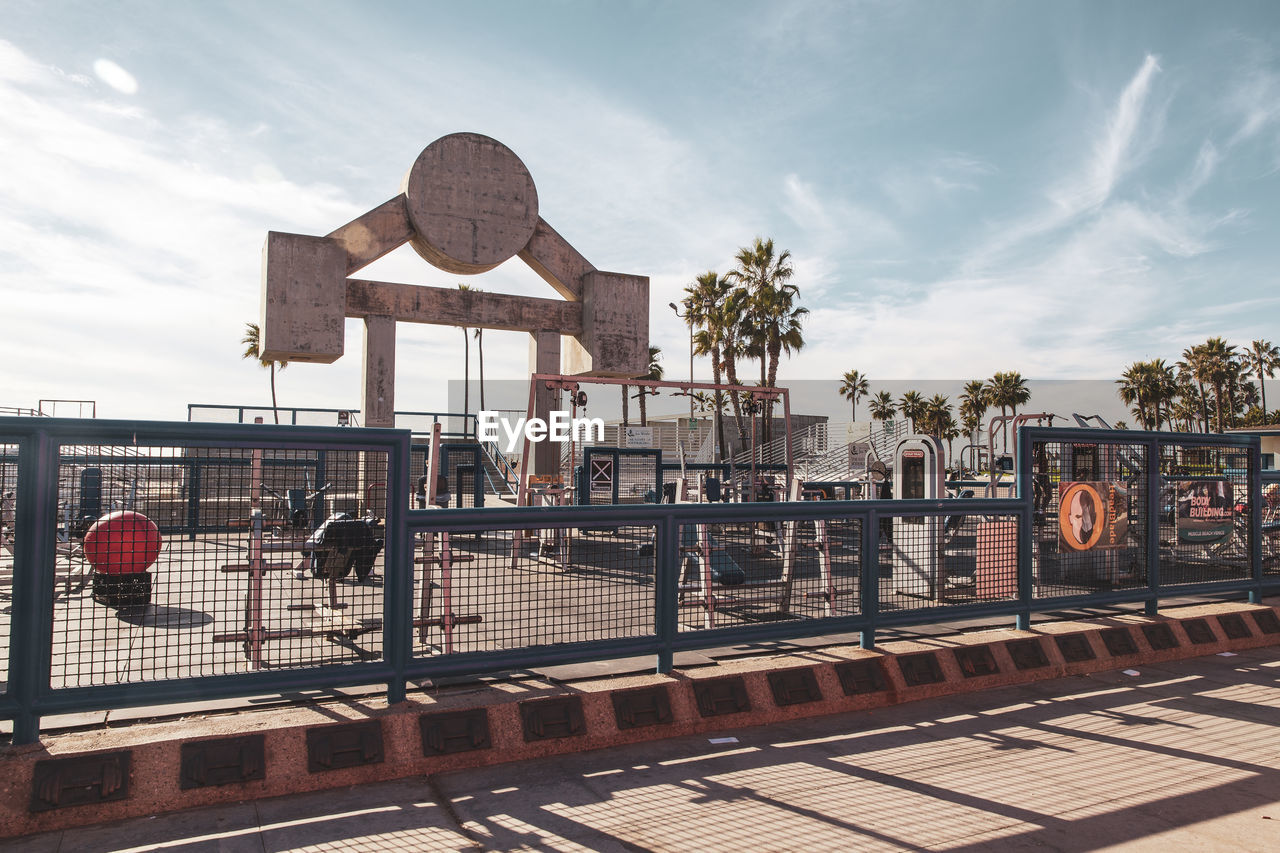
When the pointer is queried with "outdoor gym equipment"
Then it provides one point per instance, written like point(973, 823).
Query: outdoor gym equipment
point(121, 546)
point(713, 581)
point(917, 475)
point(330, 551)
point(444, 557)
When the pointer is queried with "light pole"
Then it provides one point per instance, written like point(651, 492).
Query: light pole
point(689, 323)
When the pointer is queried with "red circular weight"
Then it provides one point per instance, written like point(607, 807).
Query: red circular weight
point(122, 543)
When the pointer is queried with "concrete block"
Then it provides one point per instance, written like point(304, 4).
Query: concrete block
point(304, 295)
point(615, 327)
point(472, 203)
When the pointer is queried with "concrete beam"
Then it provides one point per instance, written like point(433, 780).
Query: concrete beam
point(303, 293)
point(556, 261)
point(378, 401)
point(442, 306)
point(369, 237)
point(615, 327)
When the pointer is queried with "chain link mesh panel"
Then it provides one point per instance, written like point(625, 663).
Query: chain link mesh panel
point(1088, 526)
point(765, 570)
point(522, 588)
point(256, 567)
point(8, 512)
point(938, 560)
point(1203, 514)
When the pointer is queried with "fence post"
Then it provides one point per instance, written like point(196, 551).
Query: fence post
point(1152, 530)
point(1255, 518)
point(1026, 532)
point(869, 586)
point(666, 577)
point(34, 568)
point(397, 559)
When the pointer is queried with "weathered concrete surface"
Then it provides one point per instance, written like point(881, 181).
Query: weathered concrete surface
point(378, 398)
point(556, 261)
point(472, 203)
point(374, 234)
point(303, 295)
point(1179, 756)
point(468, 204)
point(615, 327)
point(411, 303)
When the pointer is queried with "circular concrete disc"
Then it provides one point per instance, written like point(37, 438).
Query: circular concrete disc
point(471, 202)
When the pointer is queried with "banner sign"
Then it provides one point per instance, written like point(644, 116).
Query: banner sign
point(1206, 511)
point(1092, 515)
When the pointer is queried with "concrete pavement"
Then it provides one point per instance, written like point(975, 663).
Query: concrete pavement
point(1180, 755)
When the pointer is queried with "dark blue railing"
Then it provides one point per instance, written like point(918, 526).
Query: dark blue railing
point(28, 694)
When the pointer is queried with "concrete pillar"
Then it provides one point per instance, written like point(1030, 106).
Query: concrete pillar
point(544, 357)
point(378, 403)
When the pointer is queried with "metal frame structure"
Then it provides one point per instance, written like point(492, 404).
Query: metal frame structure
point(28, 694)
point(555, 382)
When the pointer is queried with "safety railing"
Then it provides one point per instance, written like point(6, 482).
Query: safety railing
point(272, 594)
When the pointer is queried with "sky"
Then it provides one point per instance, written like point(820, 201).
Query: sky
point(1054, 188)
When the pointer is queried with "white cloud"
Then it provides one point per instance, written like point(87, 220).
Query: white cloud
point(115, 77)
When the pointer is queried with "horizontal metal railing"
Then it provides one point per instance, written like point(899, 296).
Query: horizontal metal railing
point(241, 612)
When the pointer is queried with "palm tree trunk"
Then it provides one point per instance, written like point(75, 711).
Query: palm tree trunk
point(644, 415)
point(731, 369)
point(466, 378)
point(624, 412)
point(275, 410)
point(480, 353)
point(719, 400)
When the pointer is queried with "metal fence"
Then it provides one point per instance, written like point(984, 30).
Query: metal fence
point(291, 559)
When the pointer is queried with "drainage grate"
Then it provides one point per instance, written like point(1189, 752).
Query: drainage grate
point(861, 676)
point(920, 669)
point(1119, 642)
point(454, 731)
point(1160, 636)
point(1234, 627)
point(1198, 631)
point(719, 696)
point(1075, 648)
point(1027, 654)
point(61, 782)
point(647, 706)
point(208, 763)
point(976, 661)
point(551, 718)
point(794, 687)
point(1266, 621)
point(344, 745)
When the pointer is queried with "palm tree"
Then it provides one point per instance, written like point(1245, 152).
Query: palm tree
point(1008, 391)
point(936, 411)
point(912, 407)
point(973, 408)
point(882, 406)
point(1264, 357)
point(776, 319)
point(728, 318)
point(251, 350)
point(1196, 366)
point(702, 308)
point(655, 375)
point(1220, 370)
point(852, 386)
